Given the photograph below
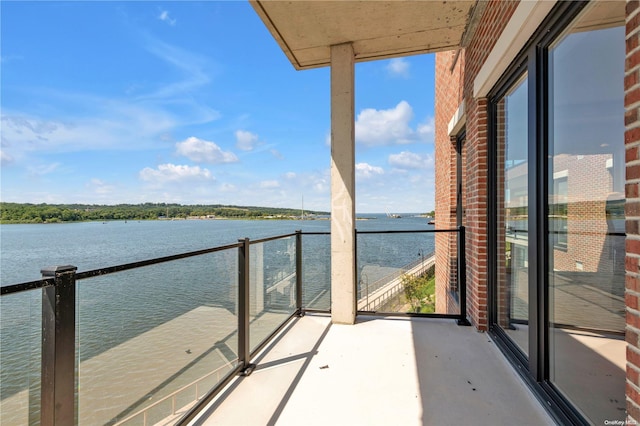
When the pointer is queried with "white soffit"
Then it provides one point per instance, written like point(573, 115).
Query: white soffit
point(458, 121)
point(305, 30)
point(523, 23)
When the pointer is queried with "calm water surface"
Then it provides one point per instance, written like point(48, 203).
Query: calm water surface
point(26, 249)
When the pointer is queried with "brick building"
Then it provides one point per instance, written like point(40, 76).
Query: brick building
point(538, 112)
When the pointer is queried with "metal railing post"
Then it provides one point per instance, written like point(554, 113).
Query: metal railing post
point(58, 373)
point(355, 266)
point(299, 307)
point(462, 276)
point(244, 348)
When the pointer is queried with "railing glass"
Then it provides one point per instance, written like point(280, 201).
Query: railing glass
point(399, 272)
point(155, 338)
point(272, 286)
point(20, 354)
point(316, 271)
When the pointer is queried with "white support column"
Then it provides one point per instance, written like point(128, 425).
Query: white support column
point(343, 185)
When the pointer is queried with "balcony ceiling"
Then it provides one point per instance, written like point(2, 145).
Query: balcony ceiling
point(305, 29)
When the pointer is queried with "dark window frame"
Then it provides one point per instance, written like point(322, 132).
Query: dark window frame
point(461, 137)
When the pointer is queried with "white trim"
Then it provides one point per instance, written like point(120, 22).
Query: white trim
point(523, 23)
point(561, 174)
point(458, 120)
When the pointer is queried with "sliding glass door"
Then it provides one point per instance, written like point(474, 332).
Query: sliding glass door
point(586, 244)
point(558, 164)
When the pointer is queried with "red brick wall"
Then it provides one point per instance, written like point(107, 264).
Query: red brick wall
point(493, 21)
point(448, 97)
point(503, 284)
point(632, 208)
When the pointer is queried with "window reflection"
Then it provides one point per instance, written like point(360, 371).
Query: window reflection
point(586, 214)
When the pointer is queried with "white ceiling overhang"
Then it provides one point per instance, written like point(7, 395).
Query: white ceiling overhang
point(306, 29)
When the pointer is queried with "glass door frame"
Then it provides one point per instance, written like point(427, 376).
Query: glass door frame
point(533, 59)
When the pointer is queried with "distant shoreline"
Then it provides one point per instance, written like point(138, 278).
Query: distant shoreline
point(25, 213)
point(60, 222)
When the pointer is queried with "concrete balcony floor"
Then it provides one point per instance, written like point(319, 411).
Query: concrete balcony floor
point(381, 371)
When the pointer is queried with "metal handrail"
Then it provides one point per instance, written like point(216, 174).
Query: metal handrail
point(384, 280)
point(173, 395)
point(32, 285)
point(277, 237)
point(26, 286)
point(155, 261)
point(378, 299)
point(409, 231)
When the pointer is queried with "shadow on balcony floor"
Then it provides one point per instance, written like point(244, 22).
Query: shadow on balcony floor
point(378, 372)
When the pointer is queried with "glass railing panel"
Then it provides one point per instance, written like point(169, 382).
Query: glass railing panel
point(400, 273)
point(447, 280)
point(272, 287)
point(152, 338)
point(316, 272)
point(20, 349)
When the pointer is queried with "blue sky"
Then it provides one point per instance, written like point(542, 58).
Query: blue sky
point(194, 102)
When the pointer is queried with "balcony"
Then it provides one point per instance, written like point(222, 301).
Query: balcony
point(239, 334)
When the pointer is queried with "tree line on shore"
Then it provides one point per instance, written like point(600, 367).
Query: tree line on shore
point(55, 213)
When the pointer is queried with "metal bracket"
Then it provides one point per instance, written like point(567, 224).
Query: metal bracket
point(463, 322)
point(247, 370)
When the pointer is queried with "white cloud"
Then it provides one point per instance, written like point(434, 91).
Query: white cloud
point(320, 182)
point(5, 159)
point(100, 187)
point(426, 130)
point(385, 127)
point(290, 175)
point(195, 69)
point(202, 151)
point(166, 173)
point(245, 140)
point(364, 170)
point(321, 186)
point(43, 170)
point(398, 67)
point(277, 154)
point(411, 160)
point(269, 184)
point(109, 125)
point(228, 187)
point(164, 17)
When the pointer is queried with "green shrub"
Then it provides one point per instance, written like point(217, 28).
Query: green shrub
point(420, 291)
